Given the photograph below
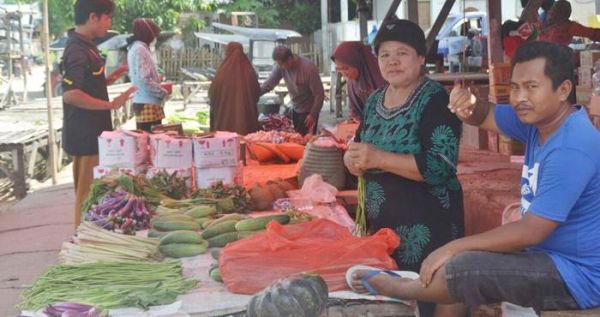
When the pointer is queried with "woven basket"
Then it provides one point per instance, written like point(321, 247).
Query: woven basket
point(325, 161)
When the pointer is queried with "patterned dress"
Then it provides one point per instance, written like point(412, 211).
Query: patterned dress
point(428, 214)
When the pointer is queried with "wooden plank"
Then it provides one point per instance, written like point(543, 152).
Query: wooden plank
point(412, 7)
point(20, 177)
point(437, 25)
point(32, 157)
point(392, 10)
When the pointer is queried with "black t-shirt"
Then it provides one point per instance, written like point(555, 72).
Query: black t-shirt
point(83, 68)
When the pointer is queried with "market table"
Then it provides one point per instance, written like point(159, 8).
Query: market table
point(212, 299)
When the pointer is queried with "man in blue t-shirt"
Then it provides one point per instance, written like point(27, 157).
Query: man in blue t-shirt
point(550, 259)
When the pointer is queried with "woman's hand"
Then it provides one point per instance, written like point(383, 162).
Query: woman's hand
point(362, 156)
point(351, 166)
point(462, 101)
point(434, 262)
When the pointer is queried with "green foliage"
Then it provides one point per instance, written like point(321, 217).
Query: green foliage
point(61, 16)
point(268, 17)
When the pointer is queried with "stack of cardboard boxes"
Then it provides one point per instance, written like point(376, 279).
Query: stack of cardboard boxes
point(203, 160)
point(585, 85)
point(500, 74)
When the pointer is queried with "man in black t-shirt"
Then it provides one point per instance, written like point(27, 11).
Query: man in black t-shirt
point(86, 107)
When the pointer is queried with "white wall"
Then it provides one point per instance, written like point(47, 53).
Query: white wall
point(582, 10)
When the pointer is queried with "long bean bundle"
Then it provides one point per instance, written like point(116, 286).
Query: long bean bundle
point(360, 227)
point(94, 244)
point(109, 285)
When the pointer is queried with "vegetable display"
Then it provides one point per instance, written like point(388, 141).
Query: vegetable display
point(277, 122)
point(120, 210)
point(109, 285)
point(238, 195)
point(170, 185)
point(94, 244)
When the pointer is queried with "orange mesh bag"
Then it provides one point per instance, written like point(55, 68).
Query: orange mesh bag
point(321, 246)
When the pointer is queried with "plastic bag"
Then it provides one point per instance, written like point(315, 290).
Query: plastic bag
point(315, 189)
point(321, 246)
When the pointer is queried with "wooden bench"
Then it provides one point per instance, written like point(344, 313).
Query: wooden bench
point(23, 147)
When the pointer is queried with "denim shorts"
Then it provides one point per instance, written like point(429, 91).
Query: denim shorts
point(526, 279)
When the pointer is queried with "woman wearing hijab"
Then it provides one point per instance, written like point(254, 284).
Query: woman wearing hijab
point(148, 99)
point(407, 153)
point(560, 30)
point(356, 62)
point(234, 93)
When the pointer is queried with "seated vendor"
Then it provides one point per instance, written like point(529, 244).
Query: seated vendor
point(550, 258)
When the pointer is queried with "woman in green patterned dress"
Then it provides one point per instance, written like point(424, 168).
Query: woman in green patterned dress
point(407, 151)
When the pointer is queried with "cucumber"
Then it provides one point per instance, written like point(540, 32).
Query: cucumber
point(164, 218)
point(202, 220)
point(181, 236)
point(222, 239)
point(156, 233)
point(207, 223)
point(201, 211)
point(182, 250)
point(260, 223)
point(215, 274)
point(223, 227)
point(247, 234)
point(176, 225)
point(162, 210)
point(215, 253)
point(228, 217)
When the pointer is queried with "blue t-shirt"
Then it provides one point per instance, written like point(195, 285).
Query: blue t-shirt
point(561, 182)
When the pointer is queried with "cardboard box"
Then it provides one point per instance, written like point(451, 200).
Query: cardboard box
point(220, 150)
point(584, 95)
point(180, 172)
point(230, 175)
point(499, 90)
point(500, 74)
point(101, 171)
point(584, 76)
point(492, 141)
point(588, 58)
point(122, 148)
point(508, 146)
point(171, 152)
point(594, 106)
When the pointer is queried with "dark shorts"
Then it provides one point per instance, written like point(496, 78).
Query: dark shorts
point(525, 279)
point(299, 126)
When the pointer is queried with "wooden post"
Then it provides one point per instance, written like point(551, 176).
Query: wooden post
point(437, 25)
point(413, 11)
point(51, 142)
point(23, 61)
point(324, 32)
point(19, 166)
point(495, 53)
point(363, 16)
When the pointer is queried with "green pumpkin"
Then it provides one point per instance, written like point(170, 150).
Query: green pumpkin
point(302, 295)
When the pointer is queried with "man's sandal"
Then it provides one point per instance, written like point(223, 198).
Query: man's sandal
point(375, 271)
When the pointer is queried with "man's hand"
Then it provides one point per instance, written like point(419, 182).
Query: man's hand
point(462, 101)
point(362, 156)
point(434, 262)
point(122, 98)
point(309, 122)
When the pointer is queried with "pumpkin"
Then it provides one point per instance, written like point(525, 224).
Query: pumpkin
point(302, 295)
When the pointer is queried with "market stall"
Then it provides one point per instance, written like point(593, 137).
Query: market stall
point(178, 226)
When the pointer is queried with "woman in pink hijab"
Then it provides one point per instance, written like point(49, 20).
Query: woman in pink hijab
point(357, 63)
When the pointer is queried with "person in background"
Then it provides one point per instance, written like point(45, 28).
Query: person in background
point(550, 258)
point(560, 30)
point(304, 85)
point(233, 98)
point(406, 149)
point(357, 63)
point(148, 99)
point(86, 106)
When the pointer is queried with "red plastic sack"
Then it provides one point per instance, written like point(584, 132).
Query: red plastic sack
point(321, 246)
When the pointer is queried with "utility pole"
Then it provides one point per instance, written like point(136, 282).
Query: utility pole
point(363, 17)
